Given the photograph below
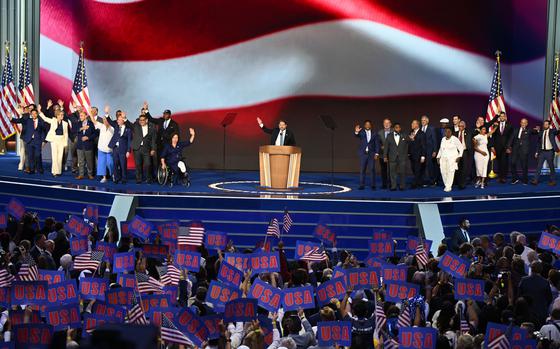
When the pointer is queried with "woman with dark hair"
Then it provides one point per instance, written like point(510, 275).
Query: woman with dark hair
point(172, 155)
point(449, 154)
point(111, 230)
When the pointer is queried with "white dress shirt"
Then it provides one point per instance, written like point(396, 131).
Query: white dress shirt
point(368, 138)
point(546, 140)
point(281, 138)
point(144, 133)
point(397, 138)
point(105, 135)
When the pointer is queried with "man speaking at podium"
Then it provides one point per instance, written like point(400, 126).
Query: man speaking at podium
point(279, 135)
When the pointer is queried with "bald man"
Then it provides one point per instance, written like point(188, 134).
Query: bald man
point(520, 146)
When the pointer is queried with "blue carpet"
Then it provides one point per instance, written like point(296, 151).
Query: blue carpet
point(316, 185)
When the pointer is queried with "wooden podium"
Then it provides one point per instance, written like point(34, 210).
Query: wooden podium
point(279, 167)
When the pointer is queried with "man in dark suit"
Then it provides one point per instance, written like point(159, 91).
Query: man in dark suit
point(465, 164)
point(460, 235)
point(166, 127)
point(144, 146)
point(383, 166)
point(368, 151)
point(546, 147)
point(417, 153)
point(536, 290)
point(121, 143)
point(432, 147)
point(520, 152)
point(395, 153)
point(33, 134)
point(85, 146)
point(501, 140)
point(279, 135)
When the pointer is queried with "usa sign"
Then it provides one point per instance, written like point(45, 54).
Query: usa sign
point(298, 297)
point(267, 296)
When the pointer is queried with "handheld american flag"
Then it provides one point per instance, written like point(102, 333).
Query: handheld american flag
point(380, 317)
point(26, 95)
point(8, 99)
point(404, 317)
point(170, 333)
point(89, 260)
point(193, 235)
point(421, 255)
point(146, 283)
point(136, 313)
point(6, 278)
point(273, 228)
point(390, 343)
point(554, 110)
point(28, 270)
point(496, 102)
point(169, 274)
point(500, 342)
point(316, 254)
point(80, 92)
point(287, 222)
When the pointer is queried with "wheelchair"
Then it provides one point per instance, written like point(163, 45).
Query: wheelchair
point(169, 177)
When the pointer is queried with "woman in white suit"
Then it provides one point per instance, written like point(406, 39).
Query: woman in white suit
point(57, 137)
point(450, 152)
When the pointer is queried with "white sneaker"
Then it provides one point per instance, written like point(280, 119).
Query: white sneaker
point(103, 180)
point(447, 190)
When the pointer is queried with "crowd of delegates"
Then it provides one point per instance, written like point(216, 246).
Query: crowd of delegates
point(521, 290)
point(96, 146)
point(453, 153)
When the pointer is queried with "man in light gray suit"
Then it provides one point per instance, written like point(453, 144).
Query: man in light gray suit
point(382, 136)
point(395, 152)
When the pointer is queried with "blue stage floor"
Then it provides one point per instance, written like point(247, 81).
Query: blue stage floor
point(244, 183)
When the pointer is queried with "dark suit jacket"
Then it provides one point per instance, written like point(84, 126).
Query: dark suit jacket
point(551, 135)
point(502, 140)
point(417, 147)
point(467, 142)
point(521, 144)
point(372, 145)
point(393, 152)
point(457, 239)
point(537, 290)
point(381, 138)
point(89, 133)
point(432, 140)
point(28, 129)
point(150, 139)
point(73, 121)
point(164, 135)
point(125, 142)
point(289, 138)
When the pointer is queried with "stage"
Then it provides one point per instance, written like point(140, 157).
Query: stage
point(245, 184)
point(230, 202)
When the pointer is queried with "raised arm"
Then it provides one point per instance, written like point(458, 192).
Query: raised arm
point(263, 127)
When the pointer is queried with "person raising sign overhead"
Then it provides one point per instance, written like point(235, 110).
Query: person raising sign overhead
point(279, 135)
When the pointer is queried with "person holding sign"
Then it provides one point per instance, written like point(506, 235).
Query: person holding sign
point(292, 327)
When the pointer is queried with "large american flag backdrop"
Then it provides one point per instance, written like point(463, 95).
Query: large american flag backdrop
point(295, 59)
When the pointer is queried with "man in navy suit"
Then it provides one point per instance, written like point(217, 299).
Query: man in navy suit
point(417, 153)
point(121, 144)
point(432, 148)
point(33, 134)
point(368, 151)
point(546, 147)
point(84, 144)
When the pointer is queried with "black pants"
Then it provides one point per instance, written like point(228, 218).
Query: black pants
point(33, 156)
point(119, 161)
point(503, 160)
point(520, 159)
point(465, 166)
point(431, 169)
point(548, 156)
point(367, 162)
point(398, 169)
point(384, 169)
point(417, 170)
point(143, 163)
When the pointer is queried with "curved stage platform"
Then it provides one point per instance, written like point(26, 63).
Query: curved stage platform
point(232, 203)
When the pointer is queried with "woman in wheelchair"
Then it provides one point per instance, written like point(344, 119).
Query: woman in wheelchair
point(172, 162)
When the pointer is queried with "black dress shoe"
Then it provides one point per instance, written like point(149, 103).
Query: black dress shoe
point(361, 187)
point(373, 187)
point(138, 182)
point(393, 189)
point(149, 181)
point(123, 182)
point(384, 186)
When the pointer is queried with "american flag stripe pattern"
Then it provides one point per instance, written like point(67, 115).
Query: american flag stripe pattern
point(273, 228)
point(496, 102)
point(554, 110)
point(404, 317)
point(8, 100)
point(170, 332)
point(464, 326)
point(136, 313)
point(390, 343)
point(169, 274)
point(316, 254)
point(89, 260)
point(287, 222)
point(146, 283)
point(193, 235)
point(26, 94)
point(80, 91)
point(6, 278)
point(500, 342)
point(421, 255)
point(28, 270)
point(380, 317)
